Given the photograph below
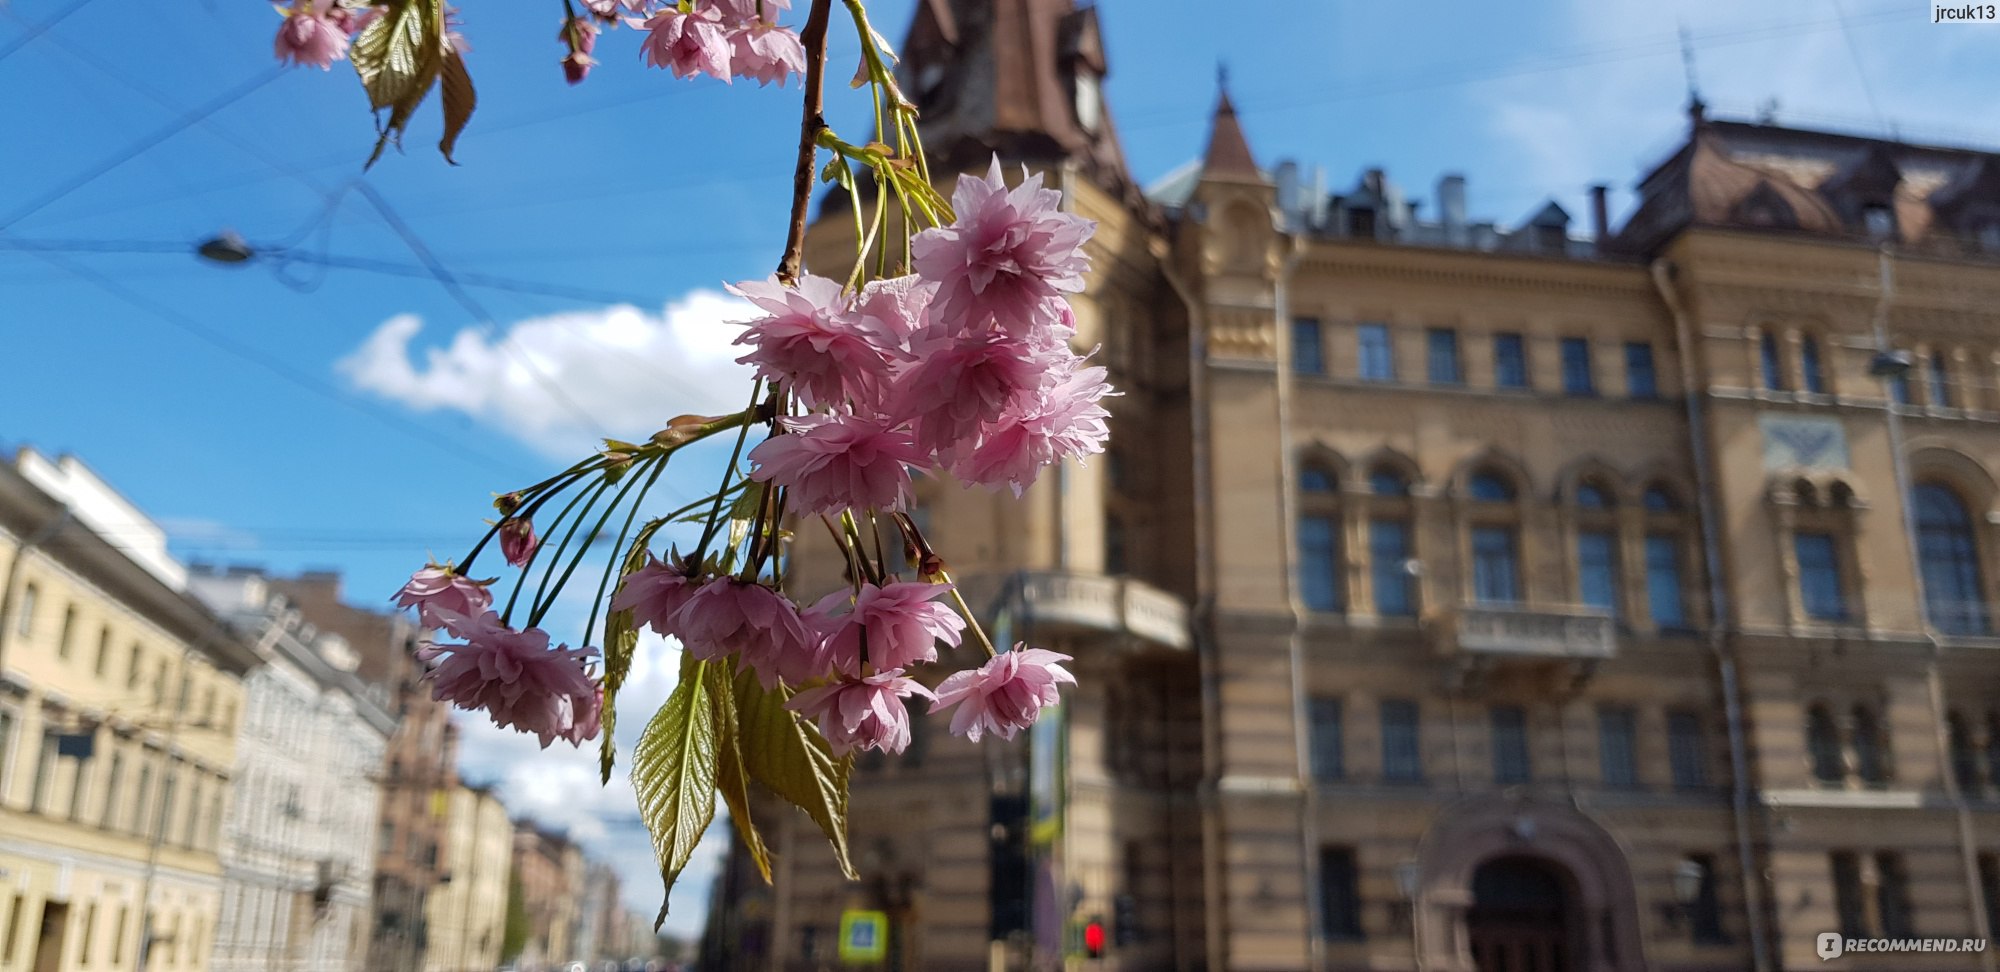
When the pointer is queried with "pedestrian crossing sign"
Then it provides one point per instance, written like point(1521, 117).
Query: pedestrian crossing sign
point(864, 936)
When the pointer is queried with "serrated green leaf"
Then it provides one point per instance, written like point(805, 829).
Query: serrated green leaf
point(398, 57)
point(620, 639)
point(455, 85)
point(788, 755)
point(673, 773)
point(732, 780)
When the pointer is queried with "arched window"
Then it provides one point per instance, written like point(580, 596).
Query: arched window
point(1591, 496)
point(1599, 567)
point(1488, 486)
point(1940, 371)
point(1823, 744)
point(1767, 360)
point(1869, 748)
point(1320, 579)
point(1809, 369)
point(1954, 596)
point(1658, 499)
point(1385, 481)
point(1964, 757)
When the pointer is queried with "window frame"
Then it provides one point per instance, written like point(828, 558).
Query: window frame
point(1301, 359)
point(1579, 372)
point(1402, 740)
point(1374, 362)
point(1640, 362)
point(1618, 765)
point(1511, 744)
point(1510, 361)
point(1442, 363)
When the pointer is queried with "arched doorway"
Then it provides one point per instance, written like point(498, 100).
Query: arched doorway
point(1519, 920)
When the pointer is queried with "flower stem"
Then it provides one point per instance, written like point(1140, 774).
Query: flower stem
point(970, 619)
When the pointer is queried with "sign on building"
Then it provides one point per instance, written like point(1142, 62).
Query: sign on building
point(864, 936)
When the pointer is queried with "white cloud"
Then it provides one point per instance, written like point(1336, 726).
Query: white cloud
point(558, 787)
point(627, 370)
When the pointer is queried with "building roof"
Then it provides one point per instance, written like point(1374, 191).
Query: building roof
point(1228, 155)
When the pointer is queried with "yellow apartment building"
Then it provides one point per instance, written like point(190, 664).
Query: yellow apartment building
point(119, 698)
point(466, 916)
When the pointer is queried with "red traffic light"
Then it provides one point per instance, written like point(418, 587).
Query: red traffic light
point(1093, 939)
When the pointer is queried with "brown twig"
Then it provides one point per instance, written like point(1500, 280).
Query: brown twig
point(812, 121)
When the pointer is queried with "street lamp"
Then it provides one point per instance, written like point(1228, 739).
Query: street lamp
point(1891, 363)
point(226, 248)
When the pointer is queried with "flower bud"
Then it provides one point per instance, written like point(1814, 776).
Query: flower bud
point(518, 540)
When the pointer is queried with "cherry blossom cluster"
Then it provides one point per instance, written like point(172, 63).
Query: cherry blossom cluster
point(963, 367)
point(317, 32)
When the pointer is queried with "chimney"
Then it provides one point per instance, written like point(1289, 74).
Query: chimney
point(1451, 209)
point(1600, 216)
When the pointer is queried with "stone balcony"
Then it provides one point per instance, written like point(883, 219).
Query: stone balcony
point(1535, 633)
point(1057, 602)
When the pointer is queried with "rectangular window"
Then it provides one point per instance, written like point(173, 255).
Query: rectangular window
point(1388, 564)
point(1597, 570)
point(1402, 753)
point(1339, 894)
point(142, 797)
point(1510, 361)
point(45, 774)
point(1319, 562)
point(1767, 362)
point(1892, 895)
point(1705, 911)
point(1664, 598)
point(118, 936)
point(1941, 382)
point(1510, 744)
point(112, 782)
point(1687, 750)
point(1496, 575)
point(1577, 378)
point(68, 635)
point(89, 932)
point(1819, 577)
point(132, 671)
point(1899, 389)
point(1640, 379)
point(1327, 759)
point(1616, 759)
point(6, 747)
point(1441, 355)
point(1377, 358)
point(26, 624)
point(1308, 353)
point(13, 935)
point(103, 651)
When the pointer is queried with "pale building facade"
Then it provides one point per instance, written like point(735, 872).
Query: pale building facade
point(467, 915)
point(1459, 597)
point(550, 869)
point(120, 698)
point(298, 838)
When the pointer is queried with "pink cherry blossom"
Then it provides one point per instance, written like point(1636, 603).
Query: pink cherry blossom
point(1008, 257)
point(737, 12)
point(518, 540)
point(518, 680)
point(1062, 421)
point(864, 713)
point(725, 616)
point(901, 621)
point(892, 312)
point(580, 36)
point(312, 34)
point(967, 383)
point(655, 594)
point(438, 592)
point(1004, 695)
point(687, 43)
point(810, 343)
point(836, 462)
point(766, 53)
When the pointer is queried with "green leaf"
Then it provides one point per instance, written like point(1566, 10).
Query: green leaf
point(744, 510)
point(459, 100)
point(620, 639)
point(787, 754)
point(398, 57)
point(732, 779)
point(673, 772)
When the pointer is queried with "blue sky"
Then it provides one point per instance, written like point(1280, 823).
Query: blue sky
point(360, 420)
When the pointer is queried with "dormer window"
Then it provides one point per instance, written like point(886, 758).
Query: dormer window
point(1089, 101)
point(1879, 221)
point(1361, 222)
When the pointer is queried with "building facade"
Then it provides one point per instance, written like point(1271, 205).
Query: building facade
point(550, 869)
point(120, 699)
point(467, 915)
point(298, 850)
point(418, 773)
point(1460, 597)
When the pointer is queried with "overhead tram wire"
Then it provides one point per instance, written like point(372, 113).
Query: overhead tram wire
point(134, 150)
point(265, 361)
point(38, 29)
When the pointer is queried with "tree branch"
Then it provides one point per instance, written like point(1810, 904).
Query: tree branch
point(812, 121)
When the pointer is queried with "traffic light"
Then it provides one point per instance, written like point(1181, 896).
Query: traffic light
point(1093, 938)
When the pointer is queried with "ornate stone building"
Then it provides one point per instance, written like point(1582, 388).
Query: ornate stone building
point(1459, 597)
point(120, 698)
point(298, 853)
